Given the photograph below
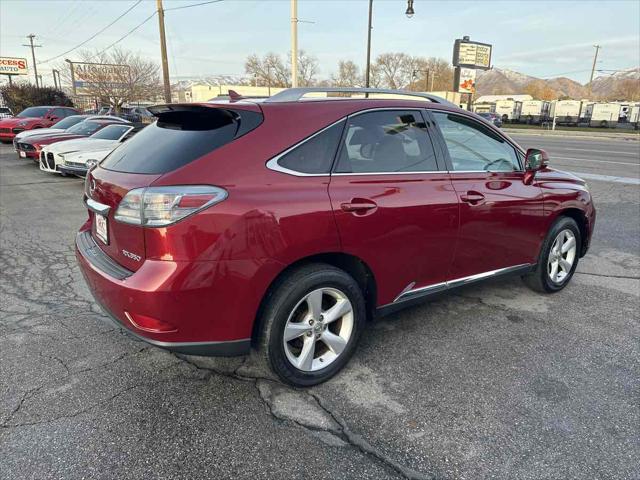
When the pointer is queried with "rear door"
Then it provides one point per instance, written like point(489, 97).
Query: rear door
point(501, 218)
point(394, 207)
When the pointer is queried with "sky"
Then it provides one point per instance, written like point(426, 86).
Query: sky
point(539, 38)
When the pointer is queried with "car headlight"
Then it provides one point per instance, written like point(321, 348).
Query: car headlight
point(22, 124)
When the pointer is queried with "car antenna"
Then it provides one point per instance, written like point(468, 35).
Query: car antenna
point(235, 96)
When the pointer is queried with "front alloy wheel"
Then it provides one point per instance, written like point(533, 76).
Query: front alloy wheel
point(561, 256)
point(558, 257)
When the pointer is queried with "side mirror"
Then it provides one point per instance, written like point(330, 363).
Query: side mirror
point(535, 159)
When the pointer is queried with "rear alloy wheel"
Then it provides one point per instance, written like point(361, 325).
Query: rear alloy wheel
point(558, 257)
point(318, 329)
point(312, 321)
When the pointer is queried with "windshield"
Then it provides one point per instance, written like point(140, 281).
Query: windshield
point(34, 112)
point(4, 110)
point(112, 132)
point(68, 122)
point(84, 128)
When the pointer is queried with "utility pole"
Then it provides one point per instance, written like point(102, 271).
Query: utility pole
point(294, 43)
point(31, 36)
point(163, 52)
point(593, 70)
point(55, 79)
point(368, 70)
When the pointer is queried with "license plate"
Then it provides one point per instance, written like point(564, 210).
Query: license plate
point(102, 232)
point(23, 154)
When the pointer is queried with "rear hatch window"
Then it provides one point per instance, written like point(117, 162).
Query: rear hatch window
point(182, 134)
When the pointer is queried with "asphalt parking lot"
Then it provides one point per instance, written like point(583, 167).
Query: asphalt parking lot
point(494, 381)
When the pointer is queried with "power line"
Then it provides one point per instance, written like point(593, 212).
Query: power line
point(126, 35)
point(95, 34)
point(193, 5)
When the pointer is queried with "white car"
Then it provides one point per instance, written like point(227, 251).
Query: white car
point(60, 126)
point(5, 112)
point(53, 156)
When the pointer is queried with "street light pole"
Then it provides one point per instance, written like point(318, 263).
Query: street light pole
point(593, 70)
point(163, 53)
point(294, 43)
point(368, 70)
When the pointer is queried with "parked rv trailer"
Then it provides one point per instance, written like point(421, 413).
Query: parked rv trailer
point(484, 107)
point(534, 111)
point(566, 112)
point(509, 110)
point(605, 115)
point(634, 115)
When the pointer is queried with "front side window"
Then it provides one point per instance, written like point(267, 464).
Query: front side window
point(474, 147)
point(85, 128)
point(112, 132)
point(315, 155)
point(69, 122)
point(386, 141)
point(33, 112)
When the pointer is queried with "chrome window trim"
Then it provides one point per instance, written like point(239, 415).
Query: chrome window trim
point(416, 292)
point(351, 174)
point(273, 164)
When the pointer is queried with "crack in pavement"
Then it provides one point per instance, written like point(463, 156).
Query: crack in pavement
point(629, 277)
point(29, 394)
point(337, 426)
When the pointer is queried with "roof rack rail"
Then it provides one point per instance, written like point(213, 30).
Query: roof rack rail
point(295, 94)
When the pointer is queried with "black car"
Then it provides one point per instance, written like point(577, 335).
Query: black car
point(492, 118)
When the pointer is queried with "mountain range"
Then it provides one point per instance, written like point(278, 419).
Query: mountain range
point(503, 81)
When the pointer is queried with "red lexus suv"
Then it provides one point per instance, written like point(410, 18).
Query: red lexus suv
point(286, 224)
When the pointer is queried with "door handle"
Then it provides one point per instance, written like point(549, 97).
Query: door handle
point(359, 205)
point(472, 197)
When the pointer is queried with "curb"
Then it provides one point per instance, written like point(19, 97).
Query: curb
point(566, 133)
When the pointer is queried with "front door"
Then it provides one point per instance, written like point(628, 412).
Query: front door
point(394, 208)
point(501, 217)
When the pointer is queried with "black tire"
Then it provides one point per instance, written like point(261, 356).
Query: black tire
point(539, 280)
point(282, 301)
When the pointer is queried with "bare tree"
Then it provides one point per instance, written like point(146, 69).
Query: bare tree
point(348, 75)
point(395, 69)
point(267, 71)
point(628, 89)
point(140, 81)
point(307, 69)
point(271, 70)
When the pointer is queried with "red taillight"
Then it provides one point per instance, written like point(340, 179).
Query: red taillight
point(149, 324)
point(195, 201)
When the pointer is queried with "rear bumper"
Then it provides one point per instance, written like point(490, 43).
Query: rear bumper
point(178, 293)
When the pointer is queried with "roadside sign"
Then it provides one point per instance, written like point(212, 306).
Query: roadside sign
point(13, 66)
point(87, 77)
point(471, 54)
point(467, 80)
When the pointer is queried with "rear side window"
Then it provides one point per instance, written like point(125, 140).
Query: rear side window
point(180, 137)
point(387, 141)
point(315, 155)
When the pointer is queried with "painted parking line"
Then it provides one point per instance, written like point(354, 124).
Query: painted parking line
point(635, 154)
point(592, 160)
point(608, 178)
